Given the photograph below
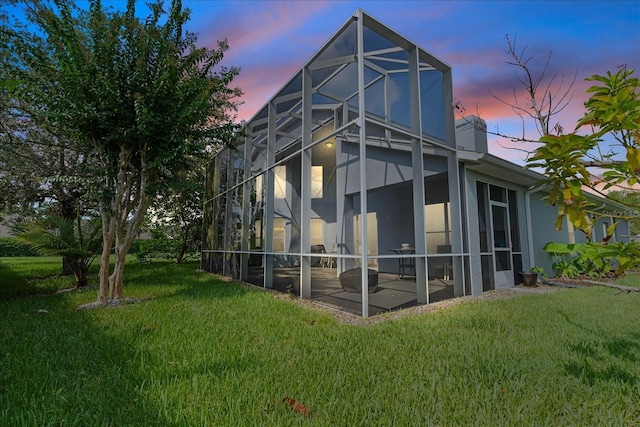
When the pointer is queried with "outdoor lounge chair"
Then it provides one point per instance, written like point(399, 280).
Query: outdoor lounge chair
point(351, 280)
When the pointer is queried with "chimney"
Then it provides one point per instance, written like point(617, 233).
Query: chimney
point(471, 134)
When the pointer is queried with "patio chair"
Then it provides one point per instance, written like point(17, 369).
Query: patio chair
point(317, 249)
point(327, 261)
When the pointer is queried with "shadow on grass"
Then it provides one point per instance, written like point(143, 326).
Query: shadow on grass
point(22, 276)
point(609, 359)
point(60, 366)
point(181, 280)
point(593, 373)
point(12, 283)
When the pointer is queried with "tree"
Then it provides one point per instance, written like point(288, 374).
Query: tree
point(630, 198)
point(600, 155)
point(41, 171)
point(41, 174)
point(137, 96)
point(537, 99)
point(77, 241)
point(613, 111)
point(177, 211)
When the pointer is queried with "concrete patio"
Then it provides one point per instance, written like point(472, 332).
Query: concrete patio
point(392, 294)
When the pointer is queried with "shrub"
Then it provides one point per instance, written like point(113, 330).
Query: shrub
point(162, 248)
point(593, 259)
point(11, 247)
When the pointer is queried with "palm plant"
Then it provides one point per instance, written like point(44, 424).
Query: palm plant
point(77, 241)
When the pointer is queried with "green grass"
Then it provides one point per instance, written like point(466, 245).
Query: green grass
point(199, 351)
point(632, 278)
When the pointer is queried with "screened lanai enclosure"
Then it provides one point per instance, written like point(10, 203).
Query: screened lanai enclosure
point(344, 187)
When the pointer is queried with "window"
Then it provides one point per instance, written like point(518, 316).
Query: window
point(513, 221)
point(497, 194)
point(278, 234)
point(256, 235)
point(280, 182)
point(372, 237)
point(482, 216)
point(258, 189)
point(436, 217)
point(316, 231)
point(316, 182)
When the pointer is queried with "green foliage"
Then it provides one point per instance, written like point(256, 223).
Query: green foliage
point(540, 271)
point(561, 159)
point(56, 236)
point(162, 248)
point(631, 200)
point(199, 351)
point(178, 212)
point(139, 97)
point(12, 247)
point(593, 259)
point(625, 254)
point(568, 260)
point(77, 241)
point(612, 110)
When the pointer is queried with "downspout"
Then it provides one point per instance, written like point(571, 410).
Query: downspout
point(527, 205)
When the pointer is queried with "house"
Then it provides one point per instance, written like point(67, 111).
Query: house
point(356, 172)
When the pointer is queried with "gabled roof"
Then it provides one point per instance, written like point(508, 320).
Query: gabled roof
point(491, 165)
point(332, 76)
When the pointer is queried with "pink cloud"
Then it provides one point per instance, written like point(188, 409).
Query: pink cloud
point(260, 84)
point(252, 26)
point(271, 40)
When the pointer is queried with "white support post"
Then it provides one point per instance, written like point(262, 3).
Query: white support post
point(305, 174)
point(269, 204)
point(454, 187)
point(344, 207)
point(417, 162)
point(456, 222)
point(363, 166)
point(246, 211)
point(475, 263)
point(227, 266)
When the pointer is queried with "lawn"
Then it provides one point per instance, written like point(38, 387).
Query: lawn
point(200, 351)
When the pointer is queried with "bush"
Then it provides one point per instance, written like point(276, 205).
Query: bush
point(10, 247)
point(593, 259)
point(135, 246)
point(162, 248)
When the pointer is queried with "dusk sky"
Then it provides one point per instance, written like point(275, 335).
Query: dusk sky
point(271, 40)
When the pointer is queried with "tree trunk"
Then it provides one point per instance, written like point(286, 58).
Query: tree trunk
point(81, 275)
point(103, 274)
point(67, 268)
point(68, 210)
point(183, 245)
point(121, 222)
point(107, 241)
point(117, 277)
